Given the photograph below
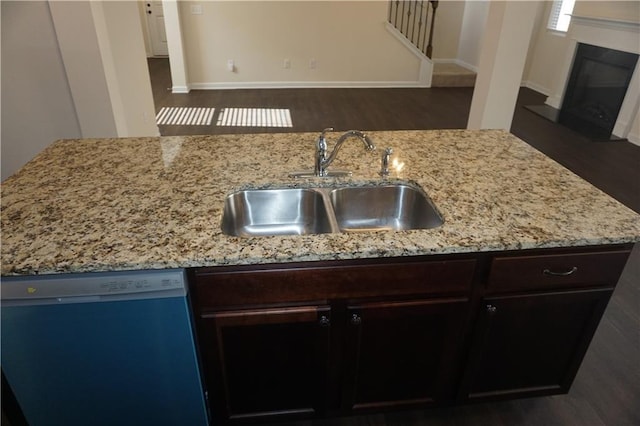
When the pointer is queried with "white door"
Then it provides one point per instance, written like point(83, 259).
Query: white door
point(155, 18)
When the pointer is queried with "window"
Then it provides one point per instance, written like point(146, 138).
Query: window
point(560, 15)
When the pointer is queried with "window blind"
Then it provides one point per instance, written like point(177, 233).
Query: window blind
point(559, 17)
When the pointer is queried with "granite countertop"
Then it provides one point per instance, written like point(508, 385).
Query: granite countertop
point(150, 203)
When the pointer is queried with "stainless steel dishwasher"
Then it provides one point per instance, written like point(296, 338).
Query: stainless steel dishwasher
point(112, 348)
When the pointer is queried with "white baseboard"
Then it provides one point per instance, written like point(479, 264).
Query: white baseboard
point(180, 89)
point(554, 101)
point(621, 127)
point(538, 88)
point(304, 85)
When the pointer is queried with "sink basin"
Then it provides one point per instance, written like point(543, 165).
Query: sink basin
point(389, 207)
point(265, 212)
point(297, 211)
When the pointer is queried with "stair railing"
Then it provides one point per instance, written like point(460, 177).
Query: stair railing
point(415, 19)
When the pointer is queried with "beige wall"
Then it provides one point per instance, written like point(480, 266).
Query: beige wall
point(125, 69)
point(628, 10)
point(471, 33)
point(448, 26)
point(348, 41)
point(502, 60)
point(70, 70)
point(546, 54)
point(142, 13)
point(84, 68)
point(37, 107)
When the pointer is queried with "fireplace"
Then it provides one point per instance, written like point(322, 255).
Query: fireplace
point(608, 33)
point(597, 85)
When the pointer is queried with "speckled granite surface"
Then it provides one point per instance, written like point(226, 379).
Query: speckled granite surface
point(137, 203)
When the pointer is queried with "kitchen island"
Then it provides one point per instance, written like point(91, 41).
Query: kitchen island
point(500, 301)
point(148, 203)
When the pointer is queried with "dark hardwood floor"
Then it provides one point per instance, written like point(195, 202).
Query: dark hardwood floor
point(314, 109)
point(606, 390)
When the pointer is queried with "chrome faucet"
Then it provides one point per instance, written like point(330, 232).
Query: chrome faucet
point(384, 162)
point(322, 161)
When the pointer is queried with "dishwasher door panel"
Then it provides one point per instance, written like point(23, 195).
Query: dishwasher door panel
point(127, 362)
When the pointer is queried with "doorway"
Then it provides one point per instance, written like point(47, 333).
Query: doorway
point(154, 13)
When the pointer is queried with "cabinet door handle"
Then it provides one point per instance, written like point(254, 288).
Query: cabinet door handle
point(324, 321)
point(356, 319)
point(491, 309)
point(560, 273)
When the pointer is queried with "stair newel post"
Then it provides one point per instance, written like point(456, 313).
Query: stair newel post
point(434, 5)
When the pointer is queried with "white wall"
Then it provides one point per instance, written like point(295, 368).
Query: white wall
point(70, 70)
point(175, 46)
point(626, 10)
point(347, 40)
point(503, 56)
point(37, 107)
point(84, 67)
point(547, 52)
point(448, 27)
point(121, 45)
point(142, 13)
point(473, 24)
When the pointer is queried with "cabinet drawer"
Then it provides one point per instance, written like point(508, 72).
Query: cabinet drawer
point(556, 271)
point(309, 282)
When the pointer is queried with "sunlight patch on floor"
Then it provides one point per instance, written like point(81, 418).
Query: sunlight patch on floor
point(254, 117)
point(185, 116)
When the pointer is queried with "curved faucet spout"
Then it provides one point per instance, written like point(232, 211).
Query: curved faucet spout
point(326, 161)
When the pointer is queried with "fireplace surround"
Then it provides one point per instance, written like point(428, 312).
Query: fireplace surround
point(597, 85)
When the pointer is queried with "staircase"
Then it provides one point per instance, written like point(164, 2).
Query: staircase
point(413, 21)
point(452, 75)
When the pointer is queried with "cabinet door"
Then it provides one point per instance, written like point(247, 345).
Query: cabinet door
point(533, 344)
point(402, 354)
point(266, 363)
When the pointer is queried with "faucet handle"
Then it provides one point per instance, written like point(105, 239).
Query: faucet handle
point(321, 144)
point(326, 129)
point(322, 141)
point(386, 156)
point(321, 153)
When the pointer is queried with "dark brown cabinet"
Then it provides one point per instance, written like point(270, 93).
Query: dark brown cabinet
point(270, 361)
point(536, 320)
point(532, 344)
point(402, 354)
point(317, 339)
point(313, 339)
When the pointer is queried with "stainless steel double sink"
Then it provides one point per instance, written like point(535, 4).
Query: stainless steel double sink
point(299, 211)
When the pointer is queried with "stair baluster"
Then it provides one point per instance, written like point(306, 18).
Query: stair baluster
point(434, 5)
point(402, 10)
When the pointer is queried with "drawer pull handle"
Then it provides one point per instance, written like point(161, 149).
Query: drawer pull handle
point(356, 319)
point(324, 321)
point(560, 274)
